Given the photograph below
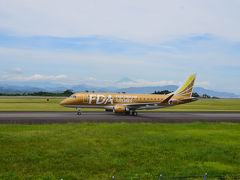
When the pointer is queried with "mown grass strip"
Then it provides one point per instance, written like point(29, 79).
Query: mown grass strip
point(92, 151)
point(53, 105)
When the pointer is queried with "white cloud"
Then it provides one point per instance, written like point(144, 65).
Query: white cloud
point(144, 83)
point(138, 20)
point(138, 83)
point(35, 77)
point(66, 56)
point(90, 79)
point(16, 70)
point(203, 84)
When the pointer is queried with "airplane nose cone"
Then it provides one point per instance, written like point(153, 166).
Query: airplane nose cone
point(63, 102)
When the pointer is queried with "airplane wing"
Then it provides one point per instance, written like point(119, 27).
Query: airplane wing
point(148, 105)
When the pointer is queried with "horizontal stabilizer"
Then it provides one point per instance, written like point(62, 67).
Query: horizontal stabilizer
point(189, 99)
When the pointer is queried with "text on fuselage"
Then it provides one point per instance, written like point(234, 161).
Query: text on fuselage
point(101, 99)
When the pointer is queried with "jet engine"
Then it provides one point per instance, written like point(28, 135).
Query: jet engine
point(175, 101)
point(119, 109)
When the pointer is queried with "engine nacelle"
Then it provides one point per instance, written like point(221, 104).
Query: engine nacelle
point(119, 109)
point(175, 101)
point(109, 110)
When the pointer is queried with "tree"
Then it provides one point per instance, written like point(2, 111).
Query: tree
point(68, 92)
point(194, 94)
point(206, 96)
point(162, 92)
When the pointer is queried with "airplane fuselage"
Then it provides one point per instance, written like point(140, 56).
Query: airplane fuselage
point(109, 100)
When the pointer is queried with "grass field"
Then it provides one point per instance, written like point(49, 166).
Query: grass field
point(92, 151)
point(53, 105)
point(99, 151)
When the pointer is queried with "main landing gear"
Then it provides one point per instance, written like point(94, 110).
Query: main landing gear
point(79, 111)
point(132, 112)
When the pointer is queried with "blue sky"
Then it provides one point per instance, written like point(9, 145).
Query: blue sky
point(151, 42)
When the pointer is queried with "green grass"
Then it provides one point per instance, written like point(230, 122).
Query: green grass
point(99, 151)
point(53, 105)
point(28, 104)
point(207, 105)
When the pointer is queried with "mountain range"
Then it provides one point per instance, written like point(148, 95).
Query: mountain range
point(13, 89)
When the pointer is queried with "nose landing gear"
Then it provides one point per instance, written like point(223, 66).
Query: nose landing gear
point(79, 111)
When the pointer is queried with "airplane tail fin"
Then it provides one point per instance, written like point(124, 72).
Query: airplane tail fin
point(187, 88)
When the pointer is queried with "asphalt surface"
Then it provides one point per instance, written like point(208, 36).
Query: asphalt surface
point(109, 117)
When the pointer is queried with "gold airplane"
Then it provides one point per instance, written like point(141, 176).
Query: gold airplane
point(129, 103)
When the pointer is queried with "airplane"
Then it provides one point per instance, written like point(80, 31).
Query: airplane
point(122, 103)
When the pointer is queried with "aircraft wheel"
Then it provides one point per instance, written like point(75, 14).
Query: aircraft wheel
point(127, 112)
point(78, 111)
point(134, 113)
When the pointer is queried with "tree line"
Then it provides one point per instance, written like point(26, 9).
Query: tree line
point(68, 92)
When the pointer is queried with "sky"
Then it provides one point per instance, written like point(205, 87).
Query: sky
point(98, 43)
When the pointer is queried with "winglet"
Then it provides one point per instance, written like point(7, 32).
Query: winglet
point(167, 99)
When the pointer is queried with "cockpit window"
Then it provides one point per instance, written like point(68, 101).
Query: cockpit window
point(72, 96)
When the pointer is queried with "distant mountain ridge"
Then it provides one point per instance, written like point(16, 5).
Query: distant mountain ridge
point(147, 90)
point(199, 90)
point(13, 89)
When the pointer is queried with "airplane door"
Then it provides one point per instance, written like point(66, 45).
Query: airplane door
point(85, 98)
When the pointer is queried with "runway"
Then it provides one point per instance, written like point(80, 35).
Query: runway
point(109, 117)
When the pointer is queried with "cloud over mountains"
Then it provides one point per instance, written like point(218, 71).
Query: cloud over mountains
point(153, 42)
